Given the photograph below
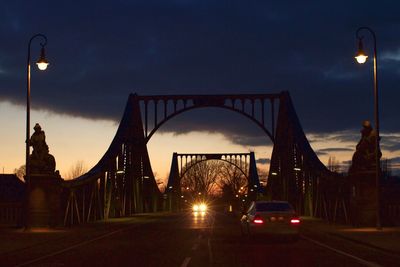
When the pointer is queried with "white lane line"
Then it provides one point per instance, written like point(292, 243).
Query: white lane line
point(69, 248)
point(364, 262)
point(186, 262)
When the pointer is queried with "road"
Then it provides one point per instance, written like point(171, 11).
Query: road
point(182, 240)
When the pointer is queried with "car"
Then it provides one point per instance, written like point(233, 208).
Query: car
point(199, 207)
point(270, 217)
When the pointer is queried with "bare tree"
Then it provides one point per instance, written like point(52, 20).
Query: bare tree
point(263, 176)
point(333, 164)
point(232, 180)
point(160, 182)
point(76, 170)
point(20, 172)
point(214, 177)
point(201, 177)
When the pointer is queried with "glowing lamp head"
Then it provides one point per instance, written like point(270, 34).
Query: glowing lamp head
point(42, 63)
point(361, 57)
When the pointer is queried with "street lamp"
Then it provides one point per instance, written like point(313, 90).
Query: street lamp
point(42, 65)
point(361, 58)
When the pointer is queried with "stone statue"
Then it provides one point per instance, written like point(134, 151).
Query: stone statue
point(41, 161)
point(364, 157)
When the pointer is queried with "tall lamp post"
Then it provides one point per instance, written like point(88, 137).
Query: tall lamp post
point(42, 65)
point(361, 58)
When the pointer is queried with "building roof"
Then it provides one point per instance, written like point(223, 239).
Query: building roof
point(11, 188)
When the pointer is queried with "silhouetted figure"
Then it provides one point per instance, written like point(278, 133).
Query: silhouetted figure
point(364, 157)
point(41, 161)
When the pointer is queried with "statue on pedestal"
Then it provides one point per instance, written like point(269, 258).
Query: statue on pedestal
point(41, 161)
point(44, 187)
point(362, 177)
point(364, 157)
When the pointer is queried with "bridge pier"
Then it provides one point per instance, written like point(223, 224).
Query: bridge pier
point(44, 200)
point(363, 198)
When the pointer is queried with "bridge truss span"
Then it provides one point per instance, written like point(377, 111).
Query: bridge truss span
point(182, 163)
point(158, 109)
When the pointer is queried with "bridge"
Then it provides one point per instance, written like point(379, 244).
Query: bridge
point(122, 182)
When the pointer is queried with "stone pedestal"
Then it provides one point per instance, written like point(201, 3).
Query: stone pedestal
point(363, 202)
point(44, 200)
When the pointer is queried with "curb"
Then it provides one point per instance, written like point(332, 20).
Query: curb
point(354, 240)
point(391, 252)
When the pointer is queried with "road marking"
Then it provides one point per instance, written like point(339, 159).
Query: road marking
point(366, 263)
point(186, 262)
point(70, 248)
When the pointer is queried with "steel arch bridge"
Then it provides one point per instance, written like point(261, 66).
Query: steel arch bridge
point(123, 183)
point(181, 163)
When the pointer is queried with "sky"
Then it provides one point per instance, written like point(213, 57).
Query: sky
point(101, 51)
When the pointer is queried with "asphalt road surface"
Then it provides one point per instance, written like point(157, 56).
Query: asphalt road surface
point(185, 240)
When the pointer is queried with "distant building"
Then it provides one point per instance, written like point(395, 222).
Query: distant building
point(12, 189)
point(12, 193)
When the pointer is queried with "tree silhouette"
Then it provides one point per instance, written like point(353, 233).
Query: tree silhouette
point(76, 170)
point(213, 177)
point(20, 172)
point(201, 177)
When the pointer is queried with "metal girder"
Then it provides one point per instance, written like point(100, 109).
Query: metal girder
point(295, 168)
point(126, 180)
point(251, 106)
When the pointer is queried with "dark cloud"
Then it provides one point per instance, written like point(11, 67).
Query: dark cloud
point(335, 149)
point(234, 126)
point(102, 51)
point(395, 160)
point(340, 136)
point(263, 161)
point(394, 165)
point(391, 142)
point(319, 153)
point(329, 151)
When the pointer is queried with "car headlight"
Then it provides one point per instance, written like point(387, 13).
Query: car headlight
point(195, 207)
point(202, 207)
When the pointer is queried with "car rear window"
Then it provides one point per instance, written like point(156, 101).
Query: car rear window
point(271, 206)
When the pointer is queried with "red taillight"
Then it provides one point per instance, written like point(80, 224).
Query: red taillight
point(295, 221)
point(258, 220)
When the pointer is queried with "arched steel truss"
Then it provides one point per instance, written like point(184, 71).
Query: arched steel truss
point(252, 106)
point(230, 158)
point(173, 190)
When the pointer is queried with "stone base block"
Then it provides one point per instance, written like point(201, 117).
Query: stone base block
point(363, 202)
point(44, 201)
